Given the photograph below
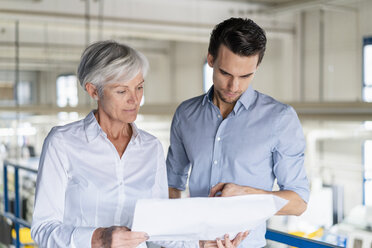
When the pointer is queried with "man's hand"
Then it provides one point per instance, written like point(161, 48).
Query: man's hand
point(295, 206)
point(117, 236)
point(226, 243)
point(174, 193)
point(231, 189)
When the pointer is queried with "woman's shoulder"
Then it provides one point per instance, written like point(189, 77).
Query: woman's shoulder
point(73, 128)
point(146, 136)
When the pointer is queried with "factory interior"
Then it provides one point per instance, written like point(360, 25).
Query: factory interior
point(318, 59)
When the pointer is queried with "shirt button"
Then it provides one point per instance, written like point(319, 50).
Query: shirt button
point(218, 138)
point(215, 162)
point(219, 116)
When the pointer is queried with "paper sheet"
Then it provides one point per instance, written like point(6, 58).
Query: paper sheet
point(203, 218)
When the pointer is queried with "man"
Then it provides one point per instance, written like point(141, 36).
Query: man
point(237, 140)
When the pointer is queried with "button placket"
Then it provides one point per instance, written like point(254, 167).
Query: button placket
point(120, 179)
point(216, 158)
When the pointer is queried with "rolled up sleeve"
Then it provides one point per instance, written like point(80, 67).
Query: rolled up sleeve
point(178, 163)
point(288, 154)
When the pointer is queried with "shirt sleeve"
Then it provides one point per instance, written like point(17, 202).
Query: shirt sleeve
point(47, 228)
point(178, 163)
point(160, 188)
point(288, 154)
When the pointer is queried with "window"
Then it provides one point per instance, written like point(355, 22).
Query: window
point(7, 93)
point(67, 91)
point(207, 77)
point(24, 92)
point(367, 173)
point(367, 70)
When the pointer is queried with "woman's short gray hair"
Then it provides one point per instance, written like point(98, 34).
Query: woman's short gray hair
point(105, 62)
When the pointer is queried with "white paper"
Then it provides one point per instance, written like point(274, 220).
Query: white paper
point(203, 218)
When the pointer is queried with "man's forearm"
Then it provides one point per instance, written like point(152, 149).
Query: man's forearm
point(295, 206)
point(174, 193)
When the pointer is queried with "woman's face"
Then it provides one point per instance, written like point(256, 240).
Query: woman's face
point(121, 100)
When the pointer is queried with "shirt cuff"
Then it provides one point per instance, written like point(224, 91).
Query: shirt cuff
point(82, 237)
point(176, 181)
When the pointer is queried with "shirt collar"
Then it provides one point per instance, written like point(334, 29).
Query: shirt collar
point(136, 134)
point(91, 126)
point(208, 96)
point(246, 99)
point(93, 129)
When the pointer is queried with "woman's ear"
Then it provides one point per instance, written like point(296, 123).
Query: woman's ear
point(92, 90)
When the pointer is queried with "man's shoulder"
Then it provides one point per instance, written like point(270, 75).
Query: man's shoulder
point(271, 104)
point(190, 105)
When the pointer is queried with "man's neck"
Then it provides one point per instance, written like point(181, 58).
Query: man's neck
point(225, 108)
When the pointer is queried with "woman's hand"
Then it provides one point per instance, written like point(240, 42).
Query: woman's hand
point(117, 236)
point(226, 243)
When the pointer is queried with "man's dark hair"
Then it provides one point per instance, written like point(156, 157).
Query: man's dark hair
point(242, 36)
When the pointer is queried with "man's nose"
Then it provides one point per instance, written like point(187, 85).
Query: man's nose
point(234, 84)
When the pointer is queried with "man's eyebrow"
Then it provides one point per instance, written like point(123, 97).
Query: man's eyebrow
point(225, 72)
point(247, 75)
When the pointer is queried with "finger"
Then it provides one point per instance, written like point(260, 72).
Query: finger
point(217, 188)
point(238, 239)
point(124, 242)
point(219, 243)
point(133, 243)
point(228, 243)
point(135, 235)
point(210, 244)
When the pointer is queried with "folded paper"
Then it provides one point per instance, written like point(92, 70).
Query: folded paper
point(203, 218)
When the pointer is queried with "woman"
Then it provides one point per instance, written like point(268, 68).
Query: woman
point(92, 171)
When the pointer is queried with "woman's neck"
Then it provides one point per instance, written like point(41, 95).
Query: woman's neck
point(113, 128)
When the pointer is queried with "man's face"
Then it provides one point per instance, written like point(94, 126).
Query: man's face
point(232, 74)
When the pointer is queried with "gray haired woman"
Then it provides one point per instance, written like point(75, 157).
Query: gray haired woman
point(92, 171)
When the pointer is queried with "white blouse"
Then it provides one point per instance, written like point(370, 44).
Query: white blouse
point(83, 184)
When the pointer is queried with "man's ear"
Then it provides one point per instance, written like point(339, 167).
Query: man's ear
point(92, 90)
point(210, 60)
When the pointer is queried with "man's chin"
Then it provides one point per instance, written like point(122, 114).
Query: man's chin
point(229, 100)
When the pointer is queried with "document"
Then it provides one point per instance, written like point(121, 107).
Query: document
point(203, 218)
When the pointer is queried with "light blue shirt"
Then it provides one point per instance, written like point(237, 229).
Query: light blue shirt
point(259, 141)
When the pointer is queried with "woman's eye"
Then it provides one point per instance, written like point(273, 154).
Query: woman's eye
point(140, 87)
point(121, 92)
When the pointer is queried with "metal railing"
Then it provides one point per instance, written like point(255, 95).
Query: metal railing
point(16, 216)
point(296, 241)
point(274, 235)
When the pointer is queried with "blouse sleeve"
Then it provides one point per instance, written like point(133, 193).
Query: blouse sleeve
point(48, 229)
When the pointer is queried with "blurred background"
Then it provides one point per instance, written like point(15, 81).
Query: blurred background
point(318, 59)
